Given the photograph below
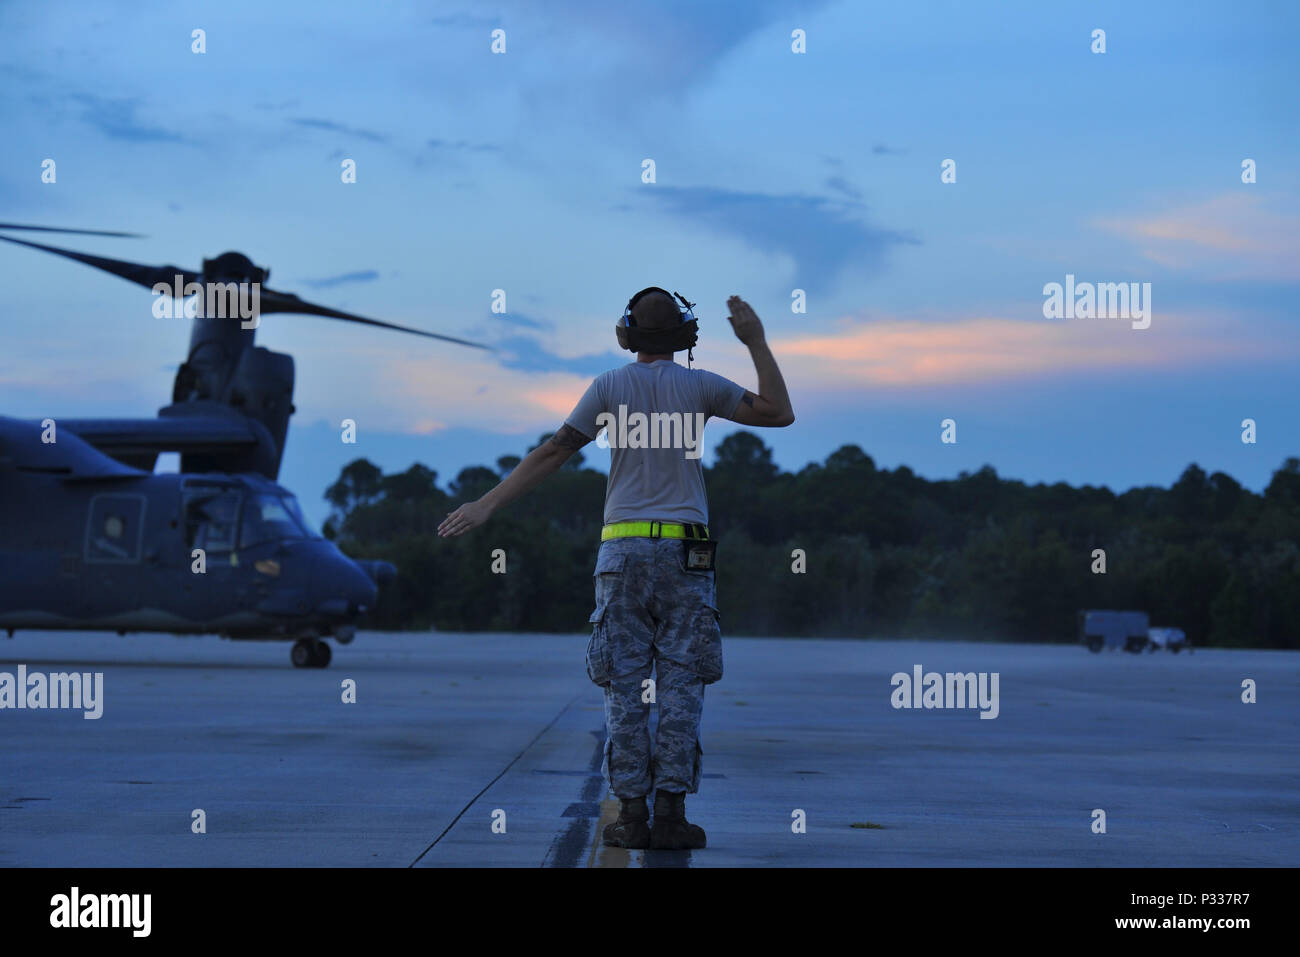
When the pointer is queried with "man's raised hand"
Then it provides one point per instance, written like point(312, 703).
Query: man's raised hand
point(744, 321)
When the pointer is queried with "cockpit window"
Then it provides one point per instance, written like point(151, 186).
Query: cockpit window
point(210, 518)
point(291, 504)
point(269, 518)
point(219, 518)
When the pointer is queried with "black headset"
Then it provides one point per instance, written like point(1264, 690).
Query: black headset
point(654, 341)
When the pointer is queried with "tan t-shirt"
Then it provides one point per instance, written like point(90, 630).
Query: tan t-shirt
point(652, 415)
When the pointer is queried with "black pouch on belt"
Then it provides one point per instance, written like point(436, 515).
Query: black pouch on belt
point(699, 555)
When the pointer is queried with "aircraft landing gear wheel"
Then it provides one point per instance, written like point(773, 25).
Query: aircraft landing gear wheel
point(322, 655)
point(310, 653)
point(302, 653)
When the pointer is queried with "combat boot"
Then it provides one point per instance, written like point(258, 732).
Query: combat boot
point(671, 831)
point(632, 829)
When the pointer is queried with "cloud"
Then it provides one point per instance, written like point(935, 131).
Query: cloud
point(841, 185)
point(365, 275)
point(333, 127)
point(464, 21)
point(600, 56)
point(525, 386)
point(528, 354)
point(880, 149)
point(558, 400)
point(454, 153)
point(462, 145)
point(461, 391)
point(911, 352)
point(817, 233)
point(519, 319)
point(1232, 236)
point(116, 119)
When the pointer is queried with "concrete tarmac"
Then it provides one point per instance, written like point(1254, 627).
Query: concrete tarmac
point(484, 750)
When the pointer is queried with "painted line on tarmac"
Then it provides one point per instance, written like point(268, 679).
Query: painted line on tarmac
point(513, 762)
point(569, 845)
point(602, 856)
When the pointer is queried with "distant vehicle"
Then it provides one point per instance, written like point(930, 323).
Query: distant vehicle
point(1170, 638)
point(1114, 629)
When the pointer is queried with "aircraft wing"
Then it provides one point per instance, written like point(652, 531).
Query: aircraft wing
point(124, 438)
point(206, 442)
point(23, 448)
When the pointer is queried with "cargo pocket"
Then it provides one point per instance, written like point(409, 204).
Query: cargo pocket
point(600, 660)
point(695, 771)
point(706, 644)
point(608, 579)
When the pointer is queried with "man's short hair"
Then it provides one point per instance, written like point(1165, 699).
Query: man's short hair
point(655, 310)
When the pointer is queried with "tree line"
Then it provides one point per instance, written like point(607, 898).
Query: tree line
point(842, 548)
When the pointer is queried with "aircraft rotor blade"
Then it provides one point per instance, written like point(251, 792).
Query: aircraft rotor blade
point(142, 275)
point(273, 301)
point(81, 232)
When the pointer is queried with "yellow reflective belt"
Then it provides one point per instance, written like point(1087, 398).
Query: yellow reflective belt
point(652, 530)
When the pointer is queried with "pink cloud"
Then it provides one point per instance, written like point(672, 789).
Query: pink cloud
point(895, 352)
point(1237, 235)
point(858, 356)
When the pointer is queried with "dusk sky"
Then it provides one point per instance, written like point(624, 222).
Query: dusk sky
point(774, 171)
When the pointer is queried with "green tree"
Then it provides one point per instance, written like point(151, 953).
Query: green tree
point(360, 483)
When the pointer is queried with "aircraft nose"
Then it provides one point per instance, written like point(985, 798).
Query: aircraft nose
point(347, 591)
point(381, 572)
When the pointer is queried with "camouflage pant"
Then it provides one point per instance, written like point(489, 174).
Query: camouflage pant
point(651, 613)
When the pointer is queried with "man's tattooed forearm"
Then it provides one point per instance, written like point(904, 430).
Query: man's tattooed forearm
point(569, 438)
point(748, 399)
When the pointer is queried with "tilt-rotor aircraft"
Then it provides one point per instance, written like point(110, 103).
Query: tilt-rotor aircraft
point(92, 540)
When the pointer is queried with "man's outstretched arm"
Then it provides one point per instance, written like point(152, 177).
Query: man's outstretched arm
point(771, 406)
point(537, 464)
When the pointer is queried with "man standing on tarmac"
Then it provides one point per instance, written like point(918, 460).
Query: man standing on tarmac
point(656, 608)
